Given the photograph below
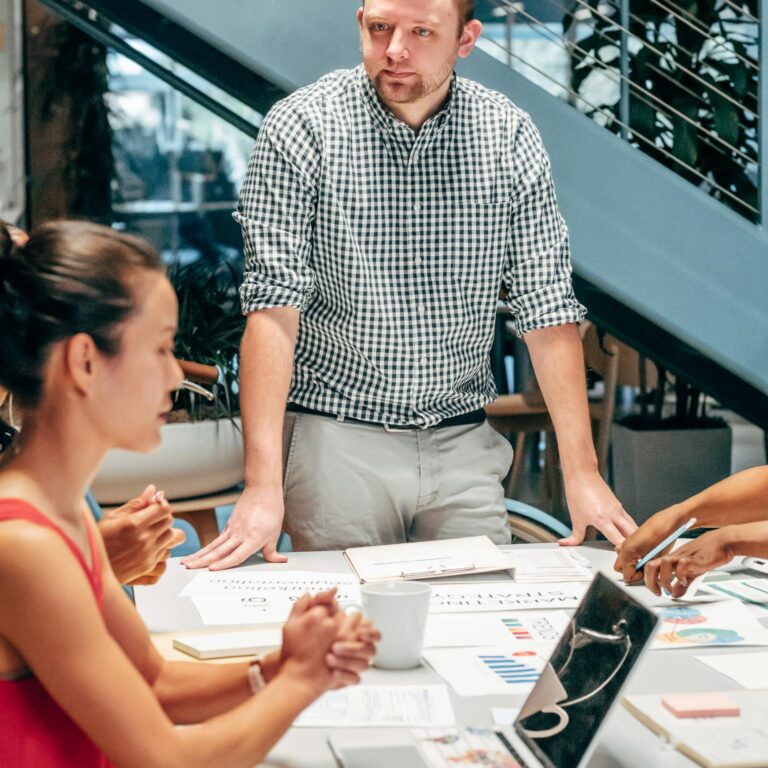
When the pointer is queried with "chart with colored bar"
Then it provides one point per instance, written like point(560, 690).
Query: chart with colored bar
point(510, 670)
point(456, 630)
point(534, 626)
point(488, 670)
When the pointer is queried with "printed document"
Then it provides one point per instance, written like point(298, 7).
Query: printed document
point(238, 582)
point(541, 565)
point(488, 670)
point(706, 625)
point(503, 596)
point(457, 630)
point(380, 705)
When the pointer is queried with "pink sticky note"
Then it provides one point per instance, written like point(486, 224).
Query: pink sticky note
point(700, 705)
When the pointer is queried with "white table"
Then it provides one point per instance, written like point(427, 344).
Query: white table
point(624, 743)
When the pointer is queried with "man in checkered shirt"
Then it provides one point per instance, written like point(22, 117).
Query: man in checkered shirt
point(383, 209)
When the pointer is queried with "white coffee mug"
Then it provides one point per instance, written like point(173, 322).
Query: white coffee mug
point(398, 609)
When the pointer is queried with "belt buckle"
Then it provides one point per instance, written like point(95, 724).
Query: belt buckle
point(389, 428)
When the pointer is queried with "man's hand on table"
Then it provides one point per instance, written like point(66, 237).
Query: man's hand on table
point(591, 502)
point(138, 537)
point(255, 525)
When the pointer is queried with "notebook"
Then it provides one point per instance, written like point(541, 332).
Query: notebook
point(223, 645)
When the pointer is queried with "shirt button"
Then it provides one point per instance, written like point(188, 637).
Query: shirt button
point(416, 207)
point(417, 261)
point(423, 361)
point(420, 309)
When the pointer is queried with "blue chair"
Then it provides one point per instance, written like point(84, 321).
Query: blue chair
point(532, 525)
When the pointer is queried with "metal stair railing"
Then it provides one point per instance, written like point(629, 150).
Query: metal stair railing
point(673, 102)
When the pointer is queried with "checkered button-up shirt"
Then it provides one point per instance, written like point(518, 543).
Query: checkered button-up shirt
point(394, 245)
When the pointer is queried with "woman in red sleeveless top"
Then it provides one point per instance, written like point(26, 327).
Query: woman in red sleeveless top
point(87, 323)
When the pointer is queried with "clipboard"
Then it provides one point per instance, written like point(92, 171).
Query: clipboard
point(426, 559)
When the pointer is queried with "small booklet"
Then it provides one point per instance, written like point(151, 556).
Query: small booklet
point(426, 559)
point(714, 742)
point(223, 645)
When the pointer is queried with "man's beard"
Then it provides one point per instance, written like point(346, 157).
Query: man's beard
point(414, 89)
point(401, 93)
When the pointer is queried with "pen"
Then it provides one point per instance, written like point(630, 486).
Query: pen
point(664, 544)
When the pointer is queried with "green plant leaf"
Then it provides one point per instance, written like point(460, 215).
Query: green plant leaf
point(684, 141)
point(726, 116)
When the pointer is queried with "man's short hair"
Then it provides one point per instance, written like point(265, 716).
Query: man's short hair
point(467, 10)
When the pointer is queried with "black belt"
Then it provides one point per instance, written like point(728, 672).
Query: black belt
point(473, 417)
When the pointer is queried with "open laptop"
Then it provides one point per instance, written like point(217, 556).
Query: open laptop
point(560, 719)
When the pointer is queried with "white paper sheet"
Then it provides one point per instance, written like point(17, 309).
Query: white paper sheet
point(504, 715)
point(503, 596)
point(250, 609)
point(456, 630)
point(487, 670)
point(708, 625)
point(753, 591)
point(749, 670)
point(238, 582)
point(541, 565)
point(380, 705)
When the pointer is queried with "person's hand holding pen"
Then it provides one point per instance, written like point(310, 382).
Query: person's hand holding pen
point(638, 544)
point(674, 572)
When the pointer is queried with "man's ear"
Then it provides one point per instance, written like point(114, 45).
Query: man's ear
point(79, 358)
point(469, 36)
point(360, 16)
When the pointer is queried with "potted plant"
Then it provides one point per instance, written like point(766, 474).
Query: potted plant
point(202, 448)
point(666, 453)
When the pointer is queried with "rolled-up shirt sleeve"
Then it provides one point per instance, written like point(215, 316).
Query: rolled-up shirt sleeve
point(276, 213)
point(537, 274)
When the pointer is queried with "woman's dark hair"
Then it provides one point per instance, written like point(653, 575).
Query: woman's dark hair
point(70, 277)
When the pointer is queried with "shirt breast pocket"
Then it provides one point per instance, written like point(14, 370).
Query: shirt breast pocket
point(479, 251)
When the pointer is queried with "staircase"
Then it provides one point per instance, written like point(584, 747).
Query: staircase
point(660, 262)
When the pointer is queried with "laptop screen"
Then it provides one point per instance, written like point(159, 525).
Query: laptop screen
point(585, 674)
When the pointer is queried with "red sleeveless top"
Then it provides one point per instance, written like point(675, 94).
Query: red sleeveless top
point(36, 732)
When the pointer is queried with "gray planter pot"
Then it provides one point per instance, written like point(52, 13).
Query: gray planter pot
point(655, 468)
point(195, 459)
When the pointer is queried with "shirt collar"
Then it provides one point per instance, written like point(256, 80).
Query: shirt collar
point(385, 120)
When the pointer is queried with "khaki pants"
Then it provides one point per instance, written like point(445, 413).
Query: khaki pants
point(351, 485)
